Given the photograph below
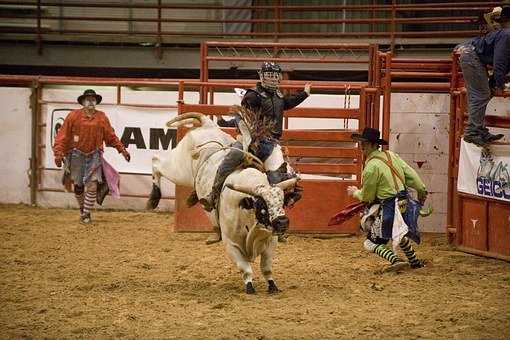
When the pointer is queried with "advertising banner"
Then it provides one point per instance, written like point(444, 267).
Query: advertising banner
point(484, 174)
point(142, 130)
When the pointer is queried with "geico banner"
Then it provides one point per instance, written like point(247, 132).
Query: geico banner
point(484, 174)
point(142, 130)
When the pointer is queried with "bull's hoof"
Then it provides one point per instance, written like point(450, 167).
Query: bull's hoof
point(192, 199)
point(271, 287)
point(214, 238)
point(154, 198)
point(151, 205)
point(249, 288)
point(208, 205)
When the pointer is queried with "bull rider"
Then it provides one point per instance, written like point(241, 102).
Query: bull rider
point(267, 100)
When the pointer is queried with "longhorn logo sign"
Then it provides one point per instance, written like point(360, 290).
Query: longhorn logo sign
point(475, 230)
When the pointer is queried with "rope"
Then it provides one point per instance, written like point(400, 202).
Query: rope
point(347, 103)
point(249, 157)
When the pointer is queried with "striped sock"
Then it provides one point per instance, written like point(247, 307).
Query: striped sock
point(90, 199)
point(386, 253)
point(409, 251)
point(80, 198)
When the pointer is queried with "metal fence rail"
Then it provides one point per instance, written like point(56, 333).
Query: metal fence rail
point(156, 22)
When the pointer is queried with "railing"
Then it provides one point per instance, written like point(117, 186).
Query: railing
point(458, 118)
point(156, 22)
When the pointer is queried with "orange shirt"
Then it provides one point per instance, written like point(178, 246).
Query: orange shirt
point(85, 133)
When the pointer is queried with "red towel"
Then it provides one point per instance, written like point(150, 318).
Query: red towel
point(347, 213)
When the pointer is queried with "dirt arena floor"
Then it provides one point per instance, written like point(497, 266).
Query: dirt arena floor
point(129, 276)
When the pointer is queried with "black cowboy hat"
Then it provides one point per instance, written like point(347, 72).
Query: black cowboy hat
point(91, 93)
point(369, 135)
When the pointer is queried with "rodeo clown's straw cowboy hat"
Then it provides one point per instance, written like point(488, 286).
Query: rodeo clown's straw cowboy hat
point(492, 16)
point(369, 135)
point(89, 93)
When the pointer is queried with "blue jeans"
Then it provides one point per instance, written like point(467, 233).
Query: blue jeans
point(478, 90)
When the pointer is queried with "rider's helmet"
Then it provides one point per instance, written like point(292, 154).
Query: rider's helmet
point(270, 75)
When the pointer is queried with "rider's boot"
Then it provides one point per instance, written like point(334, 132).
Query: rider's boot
point(231, 161)
point(274, 176)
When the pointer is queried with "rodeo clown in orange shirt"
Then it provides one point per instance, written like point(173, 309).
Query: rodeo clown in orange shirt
point(79, 144)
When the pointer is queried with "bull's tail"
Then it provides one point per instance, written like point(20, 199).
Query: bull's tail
point(154, 198)
point(155, 195)
point(190, 118)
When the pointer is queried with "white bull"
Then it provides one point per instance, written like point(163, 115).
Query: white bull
point(250, 210)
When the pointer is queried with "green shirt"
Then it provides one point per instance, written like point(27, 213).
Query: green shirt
point(377, 180)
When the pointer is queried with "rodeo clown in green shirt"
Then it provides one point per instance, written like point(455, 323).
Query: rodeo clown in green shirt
point(390, 213)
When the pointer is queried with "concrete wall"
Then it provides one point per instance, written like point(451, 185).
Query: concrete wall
point(419, 134)
point(15, 141)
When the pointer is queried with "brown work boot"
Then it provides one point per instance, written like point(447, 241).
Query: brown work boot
point(214, 237)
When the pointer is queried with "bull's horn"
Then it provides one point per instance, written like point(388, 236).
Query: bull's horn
point(194, 115)
point(288, 183)
point(241, 188)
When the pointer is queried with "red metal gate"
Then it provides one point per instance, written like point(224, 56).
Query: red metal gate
point(323, 197)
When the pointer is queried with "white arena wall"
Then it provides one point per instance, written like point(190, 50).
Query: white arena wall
point(419, 133)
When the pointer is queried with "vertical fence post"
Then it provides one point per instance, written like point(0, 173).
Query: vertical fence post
point(393, 25)
point(451, 164)
point(180, 108)
point(39, 35)
point(451, 224)
point(362, 123)
point(159, 48)
point(180, 98)
point(372, 16)
point(459, 124)
point(61, 21)
point(278, 18)
point(203, 71)
point(34, 103)
point(119, 94)
point(386, 97)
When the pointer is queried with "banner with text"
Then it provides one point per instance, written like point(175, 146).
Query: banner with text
point(142, 130)
point(484, 174)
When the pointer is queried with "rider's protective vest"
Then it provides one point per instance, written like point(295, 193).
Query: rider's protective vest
point(272, 104)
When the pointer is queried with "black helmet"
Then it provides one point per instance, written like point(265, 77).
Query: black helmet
point(270, 75)
point(269, 66)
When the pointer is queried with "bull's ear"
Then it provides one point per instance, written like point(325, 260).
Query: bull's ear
point(246, 203)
